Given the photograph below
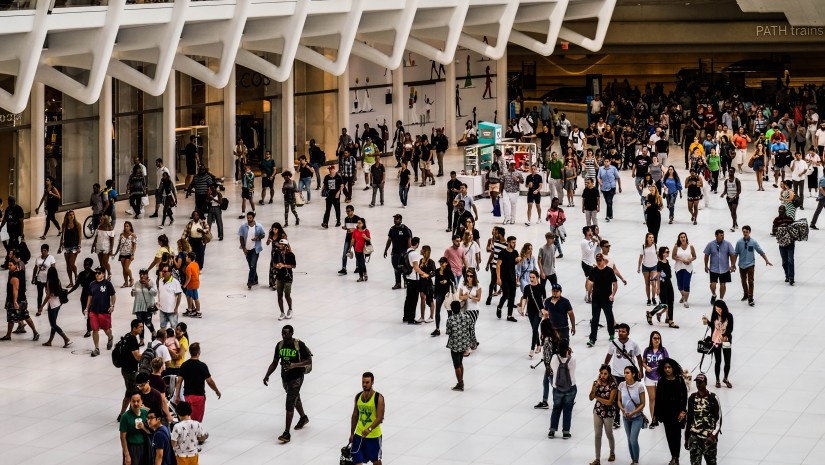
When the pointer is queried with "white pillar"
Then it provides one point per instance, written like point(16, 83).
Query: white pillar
point(229, 129)
point(38, 147)
point(169, 112)
point(104, 159)
point(398, 100)
point(449, 111)
point(344, 103)
point(501, 91)
point(288, 122)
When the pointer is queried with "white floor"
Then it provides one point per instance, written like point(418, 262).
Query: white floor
point(59, 407)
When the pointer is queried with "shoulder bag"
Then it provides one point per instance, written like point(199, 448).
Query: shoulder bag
point(149, 308)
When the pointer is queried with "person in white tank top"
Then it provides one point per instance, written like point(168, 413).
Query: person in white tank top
point(647, 266)
point(683, 255)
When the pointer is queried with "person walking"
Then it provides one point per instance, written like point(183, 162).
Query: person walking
point(470, 295)
point(290, 191)
point(168, 198)
point(651, 357)
point(511, 182)
point(563, 366)
point(534, 293)
point(281, 276)
point(799, 173)
point(317, 158)
point(399, 237)
point(404, 183)
point(55, 294)
point(555, 223)
point(70, 244)
point(333, 184)
point(186, 435)
point(247, 190)
point(136, 189)
point(268, 171)
point(169, 296)
point(104, 244)
point(718, 253)
point(125, 252)
point(653, 211)
point(746, 250)
point(378, 178)
point(359, 241)
point(621, 354)
point(683, 255)
point(51, 197)
point(694, 185)
point(820, 200)
point(506, 277)
point(604, 392)
point(609, 181)
point(444, 283)
point(671, 404)
point(547, 260)
point(720, 325)
point(589, 245)
point(159, 200)
point(305, 179)
point(632, 404)
point(549, 346)
point(42, 264)
point(350, 222)
point(703, 424)
point(733, 188)
point(788, 199)
point(191, 380)
point(250, 235)
point(459, 329)
point(145, 294)
point(195, 232)
point(215, 200)
point(99, 308)
point(191, 284)
point(365, 425)
point(602, 285)
point(591, 202)
point(534, 184)
point(296, 360)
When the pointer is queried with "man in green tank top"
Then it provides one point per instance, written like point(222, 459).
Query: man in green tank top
point(365, 430)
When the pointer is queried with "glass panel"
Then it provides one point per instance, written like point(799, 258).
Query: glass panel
point(78, 3)
point(316, 118)
point(79, 160)
point(13, 5)
point(130, 99)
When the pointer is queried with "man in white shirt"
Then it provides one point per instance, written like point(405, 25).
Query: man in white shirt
point(577, 139)
point(41, 270)
point(812, 121)
point(413, 281)
point(589, 245)
point(525, 125)
point(161, 351)
point(169, 295)
point(158, 199)
point(820, 140)
point(596, 108)
point(622, 353)
point(799, 172)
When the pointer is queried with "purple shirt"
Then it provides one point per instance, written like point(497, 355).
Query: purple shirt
point(652, 360)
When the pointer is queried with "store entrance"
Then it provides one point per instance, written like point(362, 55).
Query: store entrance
point(8, 164)
point(182, 138)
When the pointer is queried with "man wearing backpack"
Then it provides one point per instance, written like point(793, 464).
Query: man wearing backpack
point(365, 427)
point(704, 423)
point(564, 389)
point(296, 360)
point(126, 356)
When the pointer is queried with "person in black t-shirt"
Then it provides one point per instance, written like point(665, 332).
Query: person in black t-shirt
point(453, 189)
point(333, 184)
point(640, 167)
point(591, 202)
point(506, 277)
point(404, 184)
point(153, 399)
point(194, 374)
point(399, 237)
point(84, 279)
point(602, 285)
point(280, 278)
point(294, 357)
point(129, 362)
point(533, 183)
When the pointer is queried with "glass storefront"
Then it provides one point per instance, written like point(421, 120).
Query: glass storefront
point(15, 141)
point(199, 113)
point(257, 114)
point(316, 109)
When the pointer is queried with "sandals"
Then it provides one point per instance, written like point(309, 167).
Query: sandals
point(727, 383)
point(718, 384)
point(672, 325)
point(649, 318)
point(66, 345)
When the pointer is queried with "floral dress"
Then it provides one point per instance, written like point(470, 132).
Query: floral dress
point(603, 392)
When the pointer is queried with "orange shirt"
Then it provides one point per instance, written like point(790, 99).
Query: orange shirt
point(193, 274)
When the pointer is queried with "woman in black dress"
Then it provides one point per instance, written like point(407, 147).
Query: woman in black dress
point(653, 211)
point(666, 294)
point(694, 194)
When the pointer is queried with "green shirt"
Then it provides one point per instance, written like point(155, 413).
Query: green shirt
point(555, 168)
point(714, 161)
point(369, 152)
point(127, 425)
point(268, 167)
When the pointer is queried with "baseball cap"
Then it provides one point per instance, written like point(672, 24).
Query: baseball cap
point(283, 242)
point(701, 377)
point(397, 215)
point(556, 287)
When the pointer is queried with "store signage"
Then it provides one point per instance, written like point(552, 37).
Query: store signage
point(253, 80)
point(486, 133)
point(786, 31)
point(10, 119)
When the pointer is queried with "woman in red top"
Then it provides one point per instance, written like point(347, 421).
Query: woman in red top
point(360, 238)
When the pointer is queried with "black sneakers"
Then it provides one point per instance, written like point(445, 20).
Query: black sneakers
point(302, 422)
point(542, 405)
point(285, 437)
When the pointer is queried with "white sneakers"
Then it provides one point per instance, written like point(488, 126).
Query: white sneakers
point(282, 316)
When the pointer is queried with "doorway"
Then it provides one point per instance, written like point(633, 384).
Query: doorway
point(9, 152)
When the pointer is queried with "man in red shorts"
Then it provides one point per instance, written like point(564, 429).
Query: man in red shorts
point(99, 308)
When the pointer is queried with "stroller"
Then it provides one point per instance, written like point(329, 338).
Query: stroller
point(170, 381)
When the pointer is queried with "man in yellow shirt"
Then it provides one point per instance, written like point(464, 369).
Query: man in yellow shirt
point(367, 416)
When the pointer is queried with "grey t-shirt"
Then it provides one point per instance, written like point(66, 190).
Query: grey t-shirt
point(547, 258)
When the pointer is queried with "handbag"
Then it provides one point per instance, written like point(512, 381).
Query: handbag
point(149, 308)
point(206, 235)
point(144, 200)
point(299, 200)
point(704, 346)
point(368, 248)
point(346, 455)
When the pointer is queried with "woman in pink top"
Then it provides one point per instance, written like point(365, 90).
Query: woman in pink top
point(360, 238)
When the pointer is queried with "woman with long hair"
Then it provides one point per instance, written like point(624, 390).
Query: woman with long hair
point(51, 196)
point(694, 194)
point(653, 353)
point(683, 255)
point(632, 404)
point(168, 198)
point(70, 244)
point(666, 294)
point(604, 392)
point(759, 164)
point(569, 179)
point(359, 240)
point(444, 283)
point(145, 293)
point(179, 260)
point(126, 249)
point(470, 295)
point(671, 187)
point(494, 179)
point(54, 291)
point(524, 266)
point(534, 294)
point(472, 251)
point(194, 232)
point(653, 211)
point(671, 404)
point(427, 265)
point(721, 327)
point(104, 244)
point(647, 266)
point(550, 340)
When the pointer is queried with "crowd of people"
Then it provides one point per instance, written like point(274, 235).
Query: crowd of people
point(164, 378)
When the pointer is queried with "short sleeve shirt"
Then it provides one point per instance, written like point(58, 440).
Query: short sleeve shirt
point(400, 237)
point(413, 256)
point(558, 311)
point(127, 425)
point(167, 292)
point(287, 354)
point(101, 291)
point(194, 374)
point(618, 362)
point(602, 283)
point(41, 267)
point(185, 434)
point(162, 440)
point(719, 256)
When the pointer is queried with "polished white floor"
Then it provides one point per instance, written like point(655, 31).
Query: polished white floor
point(58, 406)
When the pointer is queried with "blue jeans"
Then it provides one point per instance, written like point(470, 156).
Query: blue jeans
point(344, 255)
point(632, 426)
point(563, 401)
point(305, 184)
point(546, 381)
point(252, 261)
point(317, 168)
point(402, 194)
point(671, 202)
point(786, 253)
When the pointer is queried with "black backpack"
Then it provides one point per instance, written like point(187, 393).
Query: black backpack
point(145, 365)
point(23, 252)
point(119, 352)
point(405, 265)
point(783, 158)
point(224, 203)
point(563, 379)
